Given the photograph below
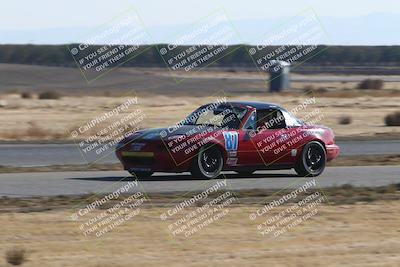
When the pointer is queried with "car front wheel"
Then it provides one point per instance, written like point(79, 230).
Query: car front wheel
point(312, 160)
point(208, 163)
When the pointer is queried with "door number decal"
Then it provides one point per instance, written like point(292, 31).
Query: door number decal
point(231, 140)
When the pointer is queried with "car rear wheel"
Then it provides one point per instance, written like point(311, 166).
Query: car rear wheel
point(208, 163)
point(141, 174)
point(312, 160)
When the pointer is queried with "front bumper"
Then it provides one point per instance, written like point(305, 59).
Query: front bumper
point(155, 160)
point(332, 151)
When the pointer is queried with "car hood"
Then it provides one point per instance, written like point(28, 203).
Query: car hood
point(316, 127)
point(158, 133)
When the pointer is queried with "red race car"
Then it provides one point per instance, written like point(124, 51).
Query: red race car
point(235, 136)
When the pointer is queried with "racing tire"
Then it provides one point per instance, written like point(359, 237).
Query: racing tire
point(141, 174)
point(312, 160)
point(208, 163)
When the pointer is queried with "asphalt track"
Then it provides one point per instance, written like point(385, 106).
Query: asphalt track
point(73, 183)
point(321, 78)
point(22, 155)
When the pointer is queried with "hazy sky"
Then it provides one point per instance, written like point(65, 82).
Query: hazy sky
point(25, 16)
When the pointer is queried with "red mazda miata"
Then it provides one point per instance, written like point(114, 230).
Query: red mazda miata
point(235, 136)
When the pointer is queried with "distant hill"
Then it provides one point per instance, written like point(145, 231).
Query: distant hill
point(58, 55)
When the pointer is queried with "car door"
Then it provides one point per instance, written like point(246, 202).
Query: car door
point(257, 138)
point(283, 138)
point(265, 139)
point(248, 154)
point(271, 135)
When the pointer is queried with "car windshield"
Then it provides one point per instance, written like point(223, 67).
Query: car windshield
point(220, 116)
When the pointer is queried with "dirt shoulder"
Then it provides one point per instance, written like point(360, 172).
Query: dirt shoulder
point(345, 194)
point(366, 160)
point(363, 233)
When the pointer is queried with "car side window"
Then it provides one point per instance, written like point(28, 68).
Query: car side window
point(291, 121)
point(251, 122)
point(270, 119)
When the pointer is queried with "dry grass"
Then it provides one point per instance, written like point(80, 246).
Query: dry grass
point(371, 84)
point(26, 95)
point(340, 231)
point(366, 160)
point(338, 235)
point(344, 120)
point(344, 194)
point(49, 95)
point(309, 87)
point(393, 119)
point(55, 119)
point(354, 93)
point(66, 167)
point(16, 256)
point(35, 132)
